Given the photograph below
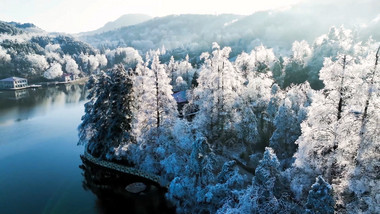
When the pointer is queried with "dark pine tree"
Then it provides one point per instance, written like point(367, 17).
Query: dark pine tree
point(106, 124)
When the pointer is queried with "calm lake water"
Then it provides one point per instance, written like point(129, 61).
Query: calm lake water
point(39, 158)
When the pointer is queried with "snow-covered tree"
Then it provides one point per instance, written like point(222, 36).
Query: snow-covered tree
point(364, 180)
point(337, 42)
point(143, 96)
point(127, 56)
point(331, 139)
point(320, 198)
point(107, 123)
point(4, 56)
point(327, 125)
point(295, 67)
point(291, 112)
point(155, 113)
point(71, 66)
point(52, 47)
point(171, 70)
point(210, 191)
point(185, 70)
point(180, 84)
point(38, 63)
point(267, 194)
point(264, 58)
point(54, 71)
point(217, 95)
point(165, 107)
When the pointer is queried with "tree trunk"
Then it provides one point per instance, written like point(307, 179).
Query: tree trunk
point(340, 104)
point(157, 104)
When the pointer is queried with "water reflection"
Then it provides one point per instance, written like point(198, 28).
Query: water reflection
point(24, 104)
point(112, 197)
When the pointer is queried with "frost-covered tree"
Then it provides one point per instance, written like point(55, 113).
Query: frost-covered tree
point(264, 58)
point(52, 47)
point(71, 66)
point(364, 180)
point(267, 194)
point(327, 126)
point(295, 69)
point(320, 198)
point(256, 95)
point(331, 138)
point(217, 95)
point(107, 122)
point(165, 107)
point(185, 70)
point(54, 71)
point(210, 191)
point(180, 84)
point(127, 56)
point(90, 63)
point(301, 50)
point(155, 114)
point(171, 70)
point(291, 112)
point(337, 42)
point(245, 64)
point(4, 56)
point(182, 70)
point(143, 96)
point(261, 59)
point(38, 63)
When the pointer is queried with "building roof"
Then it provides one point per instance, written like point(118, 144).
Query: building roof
point(180, 97)
point(11, 79)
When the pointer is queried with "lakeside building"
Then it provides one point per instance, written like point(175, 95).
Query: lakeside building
point(69, 77)
point(13, 83)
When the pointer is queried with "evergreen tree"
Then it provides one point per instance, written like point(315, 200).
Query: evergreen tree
point(296, 71)
point(337, 42)
point(287, 122)
point(320, 199)
point(107, 122)
point(267, 194)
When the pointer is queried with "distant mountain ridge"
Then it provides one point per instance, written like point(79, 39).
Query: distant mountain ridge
point(28, 27)
point(123, 21)
point(172, 31)
point(276, 28)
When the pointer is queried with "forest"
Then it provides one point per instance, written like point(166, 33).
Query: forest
point(260, 132)
point(29, 52)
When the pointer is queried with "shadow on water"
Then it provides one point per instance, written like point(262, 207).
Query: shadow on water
point(112, 197)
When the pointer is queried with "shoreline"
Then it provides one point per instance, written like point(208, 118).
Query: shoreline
point(46, 84)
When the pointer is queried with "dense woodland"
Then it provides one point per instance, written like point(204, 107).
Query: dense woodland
point(29, 52)
point(261, 133)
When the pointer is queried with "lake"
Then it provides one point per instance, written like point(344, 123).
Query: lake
point(39, 157)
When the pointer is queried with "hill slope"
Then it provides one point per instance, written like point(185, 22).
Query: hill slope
point(123, 21)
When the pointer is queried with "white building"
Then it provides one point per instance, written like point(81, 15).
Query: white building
point(13, 83)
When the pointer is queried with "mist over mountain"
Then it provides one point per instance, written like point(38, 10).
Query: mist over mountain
point(173, 31)
point(276, 28)
point(124, 21)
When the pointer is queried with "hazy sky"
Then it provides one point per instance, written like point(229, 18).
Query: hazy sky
point(74, 16)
